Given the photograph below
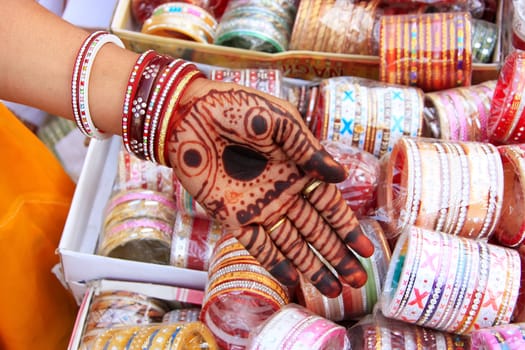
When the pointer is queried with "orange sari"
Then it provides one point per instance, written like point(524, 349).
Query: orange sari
point(36, 311)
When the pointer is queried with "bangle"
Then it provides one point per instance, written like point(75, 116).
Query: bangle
point(81, 78)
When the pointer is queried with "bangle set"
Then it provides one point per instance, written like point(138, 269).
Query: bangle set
point(507, 113)
point(367, 114)
point(238, 285)
point(452, 187)
point(459, 114)
point(294, 327)
point(508, 336)
point(484, 39)
point(269, 81)
point(404, 39)
point(518, 25)
point(352, 303)
point(450, 283)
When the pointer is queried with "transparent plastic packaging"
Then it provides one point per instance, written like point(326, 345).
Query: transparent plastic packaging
point(451, 187)
point(366, 114)
point(359, 189)
point(459, 114)
point(294, 327)
point(450, 283)
point(336, 26)
point(484, 40)
point(353, 303)
point(420, 50)
point(376, 332)
point(518, 24)
point(509, 336)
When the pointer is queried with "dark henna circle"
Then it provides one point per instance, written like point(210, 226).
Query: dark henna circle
point(327, 200)
point(243, 163)
point(258, 243)
point(288, 239)
point(320, 235)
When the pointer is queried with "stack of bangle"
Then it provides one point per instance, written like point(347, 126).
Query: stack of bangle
point(510, 230)
point(134, 173)
point(80, 81)
point(459, 114)
point(262, 25)
point(452, 187)
point(175, 336)
point(518, 25)
point(508, 336)
point(138, 225)
point(336, 26)
point(295, 328)
point(266, 80)
point(450, 283)
point(431, 51)
point(181, 315)
point(376, 332)
point(193, 241)
point(183, 21)
point(353, 303)
point(507, 114)
point(367, 114)
point(185, 203)
point(120, 308)
point(240, 294)
point(484, 39)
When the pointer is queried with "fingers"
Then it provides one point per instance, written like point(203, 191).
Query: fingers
point(261, 247)
point(300, 145)
point(286, 236)
point(329, 203)
point(319, 234)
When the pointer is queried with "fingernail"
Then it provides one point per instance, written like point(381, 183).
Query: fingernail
point(329, 285)
point(356, 279)
point(358, 241)
point(351, 271)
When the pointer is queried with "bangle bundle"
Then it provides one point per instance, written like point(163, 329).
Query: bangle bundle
point(193, 241)
point(185, 203)
point(376, 332)
point(295, 327)
point(345, 27)
point(484, 39)
point(181, 315)
point(264, 80)
point(459, 114)
point(367, 114)
point(518, 25)
point(240, 294)
point(510, 230)
point(175, 336)
point(507, 113)
point(183, 21)
point(80, 81)
point(450, 283)
point(262, 25)
point(138, 225)
point(452, 187)
point(353, 303)
point(431, 51)
point(508, 336)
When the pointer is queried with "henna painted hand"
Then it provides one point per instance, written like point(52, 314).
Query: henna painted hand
point(250, 161)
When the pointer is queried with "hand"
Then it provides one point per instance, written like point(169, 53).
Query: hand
point(250, 161)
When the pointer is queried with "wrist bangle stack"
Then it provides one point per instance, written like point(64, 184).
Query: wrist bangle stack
point(240, 294)
point(294, 327)
point(450, 283)
point(452, 187)
point(81, 77)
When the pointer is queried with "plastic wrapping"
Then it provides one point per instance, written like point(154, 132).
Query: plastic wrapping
point(359, 189)
point(181, 20)
point(193, 241)
point(295, 328)
point(510, 230)
point(174, 336)
point(507, 113)
point(420, 50)
point(509, 336)
point(376, 332)
point(138, 225)
point(366, 114)
point(450, 283)
point(518, 24)
point(352, 303)
point(452, 187)
point(262, 25)
point(336, 26)
point(459, 114)
point(269, 81)
point(484, 40)
point(240, 294)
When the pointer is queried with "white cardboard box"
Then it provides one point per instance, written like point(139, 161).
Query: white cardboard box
point(83, 225)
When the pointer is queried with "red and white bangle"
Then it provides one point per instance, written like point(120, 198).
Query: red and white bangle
point(80, 81)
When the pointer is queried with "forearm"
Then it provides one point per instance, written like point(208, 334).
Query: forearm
point(39, 51)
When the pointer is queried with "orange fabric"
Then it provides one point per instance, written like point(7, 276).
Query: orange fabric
point(36, 311)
